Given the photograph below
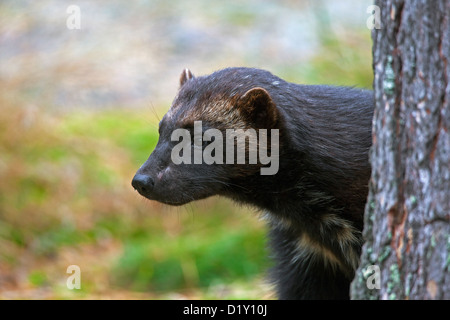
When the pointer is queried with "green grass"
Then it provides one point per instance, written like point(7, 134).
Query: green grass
point(340, 62)
point(193, 259)
point(136, 133)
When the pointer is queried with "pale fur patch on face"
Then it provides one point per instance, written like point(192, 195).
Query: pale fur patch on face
point(216, 111)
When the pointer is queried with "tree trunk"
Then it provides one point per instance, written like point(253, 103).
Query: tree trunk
point(407, 220)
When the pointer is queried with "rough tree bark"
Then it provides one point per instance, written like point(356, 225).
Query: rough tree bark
point(407, 218)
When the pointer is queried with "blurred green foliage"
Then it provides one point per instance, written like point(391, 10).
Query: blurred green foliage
point(163, 263)
point(341, 62)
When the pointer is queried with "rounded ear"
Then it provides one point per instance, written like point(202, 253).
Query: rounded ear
point(185, 76)
point(257, 106)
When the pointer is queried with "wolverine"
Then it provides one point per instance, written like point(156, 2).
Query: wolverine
point(313, 202)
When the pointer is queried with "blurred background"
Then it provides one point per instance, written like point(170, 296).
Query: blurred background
point(79, 110)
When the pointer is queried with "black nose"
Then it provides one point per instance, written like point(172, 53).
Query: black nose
point(143, 184)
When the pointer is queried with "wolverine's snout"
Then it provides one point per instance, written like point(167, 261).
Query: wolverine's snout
point(143, 184)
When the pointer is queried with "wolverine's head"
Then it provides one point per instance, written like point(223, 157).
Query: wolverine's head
point(220, 130)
